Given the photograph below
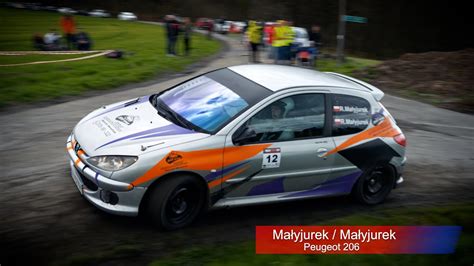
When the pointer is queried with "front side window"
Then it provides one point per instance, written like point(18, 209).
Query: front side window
point(294, 117)
point(351, 114)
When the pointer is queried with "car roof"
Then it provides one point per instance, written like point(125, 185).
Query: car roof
point(278, 77)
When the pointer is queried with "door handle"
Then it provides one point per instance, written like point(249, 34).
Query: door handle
point(322, 152)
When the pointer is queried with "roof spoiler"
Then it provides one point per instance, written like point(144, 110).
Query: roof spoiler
point(378, 94)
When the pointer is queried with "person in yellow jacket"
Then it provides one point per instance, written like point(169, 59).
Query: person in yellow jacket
point(284, 36)
point(254, 34)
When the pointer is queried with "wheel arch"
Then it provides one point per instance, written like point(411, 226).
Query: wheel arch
point(391, 166)
point(157, 181)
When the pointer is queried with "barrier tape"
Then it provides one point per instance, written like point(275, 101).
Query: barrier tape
point(97, 54)
point(46, 52)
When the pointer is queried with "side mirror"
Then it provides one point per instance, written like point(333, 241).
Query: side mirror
point(243, 135)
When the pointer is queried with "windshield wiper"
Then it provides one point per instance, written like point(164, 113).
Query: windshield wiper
point(164, 111)
point(172, 116)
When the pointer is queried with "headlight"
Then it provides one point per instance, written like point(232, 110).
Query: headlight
point(113, 162)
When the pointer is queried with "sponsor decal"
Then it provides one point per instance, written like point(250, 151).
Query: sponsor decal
point(350, 109)
point(108, 126)
point(383, 129)
point(350, 122)
point(173, 157)
point(127, 119)
point(205, 160)
point(377, 118)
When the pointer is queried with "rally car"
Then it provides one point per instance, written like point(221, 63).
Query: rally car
point(235, 136)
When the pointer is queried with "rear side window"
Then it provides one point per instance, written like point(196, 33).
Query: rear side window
point(350, 114)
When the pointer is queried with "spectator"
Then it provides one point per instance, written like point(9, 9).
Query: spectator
point(187, 30)
point(276, 43)
point(315, 36)
point(254, 33)
point(68, 26)
point(83, 41)
point(269, 33)
point(284, 36)
point(38, 42)
point(172, 32)
point(168, 33)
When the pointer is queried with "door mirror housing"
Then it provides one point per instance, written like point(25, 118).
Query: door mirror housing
point(243, 135)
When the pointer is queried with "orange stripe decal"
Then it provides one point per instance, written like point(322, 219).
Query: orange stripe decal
point(80, 152)
point(229, 176)
point(76, 162)
point(200, 160)
point(384, 129)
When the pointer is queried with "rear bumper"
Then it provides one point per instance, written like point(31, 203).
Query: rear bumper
point(106, 194)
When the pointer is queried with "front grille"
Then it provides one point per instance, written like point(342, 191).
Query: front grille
point(87, 182)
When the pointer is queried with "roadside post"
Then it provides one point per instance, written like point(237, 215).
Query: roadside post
point(343, 18)
point(341, 32)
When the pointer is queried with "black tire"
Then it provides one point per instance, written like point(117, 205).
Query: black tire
point(374, 185)
point(176, 202)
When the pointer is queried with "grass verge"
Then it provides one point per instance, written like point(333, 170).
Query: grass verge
point(350, 65)
point(143, 45)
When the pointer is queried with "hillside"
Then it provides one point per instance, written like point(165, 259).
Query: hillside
point(441, 78)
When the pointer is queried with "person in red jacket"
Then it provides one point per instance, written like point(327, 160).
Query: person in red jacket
point(68, 25)
point(269, 32)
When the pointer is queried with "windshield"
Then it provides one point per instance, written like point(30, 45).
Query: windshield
point(204, 102)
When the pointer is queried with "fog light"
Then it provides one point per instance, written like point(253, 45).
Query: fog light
point(109, 197)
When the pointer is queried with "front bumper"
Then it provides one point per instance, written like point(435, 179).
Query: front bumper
point(106, 194)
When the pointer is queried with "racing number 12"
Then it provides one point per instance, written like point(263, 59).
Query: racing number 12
point(271, 158)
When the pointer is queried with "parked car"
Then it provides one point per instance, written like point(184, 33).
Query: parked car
point(127, 16)
point(66, 10)
point(49, 8)
point(221, 26)
point(82, 12)
point(99, 13)
point(238, 26)
point(203, 23)
point(33, 6)
point(240, 135)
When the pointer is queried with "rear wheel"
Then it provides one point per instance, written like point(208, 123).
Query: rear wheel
point(176, 202)
point(375, 185)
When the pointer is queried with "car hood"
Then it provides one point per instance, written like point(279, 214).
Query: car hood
point(129, 128)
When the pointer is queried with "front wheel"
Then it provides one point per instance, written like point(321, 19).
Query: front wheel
point(374, 185)
point(176, 202)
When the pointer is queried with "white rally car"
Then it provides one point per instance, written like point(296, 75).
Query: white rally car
point(235, 136)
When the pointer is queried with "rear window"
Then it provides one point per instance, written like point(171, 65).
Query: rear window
point(351, 114)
